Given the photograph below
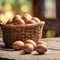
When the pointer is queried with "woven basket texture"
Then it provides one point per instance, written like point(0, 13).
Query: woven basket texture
point(12, 33)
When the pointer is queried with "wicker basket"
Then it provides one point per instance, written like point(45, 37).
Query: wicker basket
point(12, 33)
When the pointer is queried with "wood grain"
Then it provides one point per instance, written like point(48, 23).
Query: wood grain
point(53, 52)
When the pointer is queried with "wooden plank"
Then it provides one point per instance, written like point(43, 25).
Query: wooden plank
point(53, 52)
point(53, 43)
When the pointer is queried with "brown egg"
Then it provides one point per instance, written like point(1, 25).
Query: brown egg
point(31, 22)
point(9, 21)
point(18, 45)
point(41, 48)
point(31, 42)
point(42, 42)
point(37, 20)
point(16, 17)
point(18, 20)
point(28, 48)
point(26, 17)
point(42, 22)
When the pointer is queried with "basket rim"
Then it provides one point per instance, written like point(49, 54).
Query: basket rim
point(25, 25)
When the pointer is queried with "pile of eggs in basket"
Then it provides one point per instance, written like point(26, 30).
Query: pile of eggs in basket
point(25, 19)
point(28, 46)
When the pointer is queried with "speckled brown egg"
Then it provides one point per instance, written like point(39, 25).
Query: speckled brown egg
point(18, 45)
point(41, 48)
point(31, 42)
point(28, 48)
point(26, 17)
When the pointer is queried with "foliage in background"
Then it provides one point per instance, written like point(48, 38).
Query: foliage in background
point(8, 8)
point(50, 33)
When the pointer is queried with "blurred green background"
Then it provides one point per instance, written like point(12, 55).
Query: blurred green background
point(9, 8)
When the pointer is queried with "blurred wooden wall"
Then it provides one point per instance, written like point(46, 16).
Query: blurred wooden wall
point(51, 24)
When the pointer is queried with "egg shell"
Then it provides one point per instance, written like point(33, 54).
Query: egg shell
point(42, 42)
point(31, 22)
point(18, 20)
point(9, 21)
point(26, 17)
point(30, 41)
point(37, 20)
point(42, 22)
point(41, 48)
point(28, 48)
point(16, 17)
point(18, 45)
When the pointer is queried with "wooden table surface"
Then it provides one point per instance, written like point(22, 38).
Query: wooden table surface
point(53, 52)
